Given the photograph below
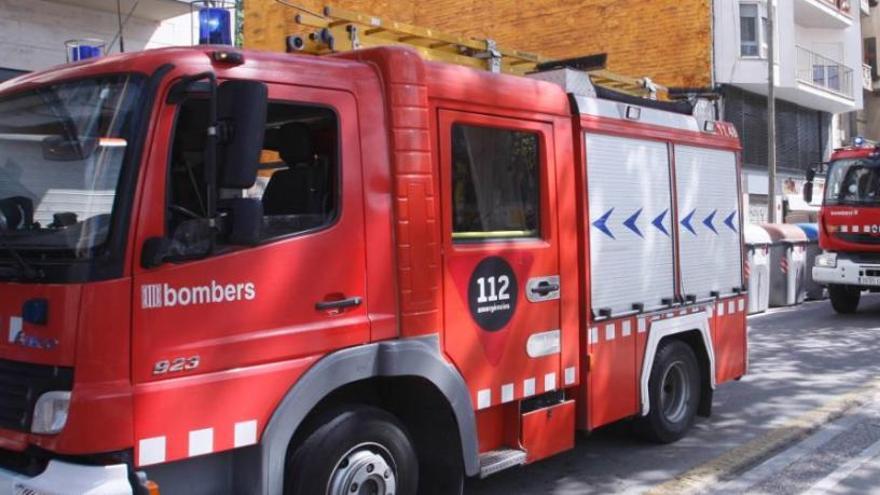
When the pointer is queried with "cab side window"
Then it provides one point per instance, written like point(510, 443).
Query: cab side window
point(298, 178)
point(495, 183)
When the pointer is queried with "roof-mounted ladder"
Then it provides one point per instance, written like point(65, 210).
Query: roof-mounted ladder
point(339, 30)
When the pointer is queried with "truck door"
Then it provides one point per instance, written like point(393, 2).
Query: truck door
point(218, 341)
point(501, 274)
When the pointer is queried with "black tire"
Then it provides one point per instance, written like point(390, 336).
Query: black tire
point(844, 298)
point(674, 393)
point(354, 441)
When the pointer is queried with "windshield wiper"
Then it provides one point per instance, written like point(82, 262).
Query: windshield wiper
point(26, 271)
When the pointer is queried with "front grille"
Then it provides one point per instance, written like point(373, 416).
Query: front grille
point(859, 238)
point(21, 384)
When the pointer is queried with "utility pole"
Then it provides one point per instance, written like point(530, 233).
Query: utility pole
point(771, 111)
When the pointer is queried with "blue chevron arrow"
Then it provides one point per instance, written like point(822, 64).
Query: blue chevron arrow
point(601, 223)
point(708, 221)
point(658, 222)
point(686, 221)
point(630, 223)
point(729, 221)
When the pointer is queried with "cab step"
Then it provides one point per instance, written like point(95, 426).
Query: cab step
point(498, 460)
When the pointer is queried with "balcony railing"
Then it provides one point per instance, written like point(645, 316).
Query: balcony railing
point(824, 73)
point(841, 5)
point(867, 78)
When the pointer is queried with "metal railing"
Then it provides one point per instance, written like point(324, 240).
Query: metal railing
point(867, 78)
point(823, 72)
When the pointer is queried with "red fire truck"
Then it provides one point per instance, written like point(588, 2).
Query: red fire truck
point(228, 271)
point(849, 226)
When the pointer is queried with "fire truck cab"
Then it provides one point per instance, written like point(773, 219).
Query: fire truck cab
point(849, 226)
point(239, 272)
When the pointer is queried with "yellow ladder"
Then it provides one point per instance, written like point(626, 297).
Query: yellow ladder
point(339, 30)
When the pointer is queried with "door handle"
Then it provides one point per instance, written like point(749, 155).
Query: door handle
point(349, 302)
point(545, 288)
point(539, 289)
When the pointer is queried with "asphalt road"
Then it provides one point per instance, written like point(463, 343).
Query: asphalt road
point(801, 358)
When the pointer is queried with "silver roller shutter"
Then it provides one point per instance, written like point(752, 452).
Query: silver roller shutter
point(708, 213)
point(631, 256)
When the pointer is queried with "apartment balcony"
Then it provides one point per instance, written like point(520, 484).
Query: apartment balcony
point(825, 14)
point(823, 73)
point(867, 78)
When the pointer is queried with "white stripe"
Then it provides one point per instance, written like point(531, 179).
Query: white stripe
point(731, 308)
point(710, 311)
point(506, 393)
point(569, 375)
point(609, 332)
point(741, 305)
point(201, 441)
point(643, 325)
point(594, 335)
point(484, 398)
point(245, 433)
point(528, 387)
point(844, 228)
point(721, 309)
point(866, 229)
point(626, 328)
point(14, 328)
point(151, 451)
point(855, 229)
point(549, 382)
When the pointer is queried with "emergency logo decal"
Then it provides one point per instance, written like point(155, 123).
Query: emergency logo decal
point(492, 293)
point(632, 223)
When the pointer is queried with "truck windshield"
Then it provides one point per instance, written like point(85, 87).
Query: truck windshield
point(62, 149)
point(853, 181)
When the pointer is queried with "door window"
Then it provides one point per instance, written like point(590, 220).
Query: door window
point(298, 179)
point(495, 180)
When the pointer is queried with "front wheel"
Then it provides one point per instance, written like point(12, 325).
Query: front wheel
point(844, 298)
point(674, 393)
point(360, 450)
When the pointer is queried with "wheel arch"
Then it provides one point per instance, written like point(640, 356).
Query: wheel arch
point(417, 358)
point(694, 330)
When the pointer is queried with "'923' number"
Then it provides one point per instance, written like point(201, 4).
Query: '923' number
point(175, 365)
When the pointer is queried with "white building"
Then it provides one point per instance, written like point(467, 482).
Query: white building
point(818, 70)
point(33, 32)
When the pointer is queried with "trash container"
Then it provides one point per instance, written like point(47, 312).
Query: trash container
point(815, 291)
point(787, 260)
point(757, 242)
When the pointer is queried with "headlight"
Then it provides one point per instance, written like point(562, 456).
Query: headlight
point(50, 413)
point(826, 260)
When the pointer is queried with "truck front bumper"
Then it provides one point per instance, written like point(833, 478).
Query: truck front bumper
point(848, 272)
point(63, 478)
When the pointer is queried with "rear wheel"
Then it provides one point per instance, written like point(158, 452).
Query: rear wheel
point(844, 298)
point(359, 450)
point(674, 393)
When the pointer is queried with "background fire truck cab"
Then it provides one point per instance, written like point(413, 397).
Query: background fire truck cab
point(243, 272)
point(849, 226)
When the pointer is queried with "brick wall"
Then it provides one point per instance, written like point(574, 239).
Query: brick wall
point(667, 40)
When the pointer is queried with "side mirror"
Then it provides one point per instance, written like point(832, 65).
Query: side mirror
point(808, 191)
point(242, 220)
point(192, 239)
point(241, 110)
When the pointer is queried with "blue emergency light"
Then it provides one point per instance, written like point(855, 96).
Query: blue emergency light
point(84, 49)
point(215, 26)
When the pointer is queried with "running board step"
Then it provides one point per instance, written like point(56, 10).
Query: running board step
point(498, 460)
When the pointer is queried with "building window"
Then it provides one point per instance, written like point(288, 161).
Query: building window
point(495, 176)
point(749, 33)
